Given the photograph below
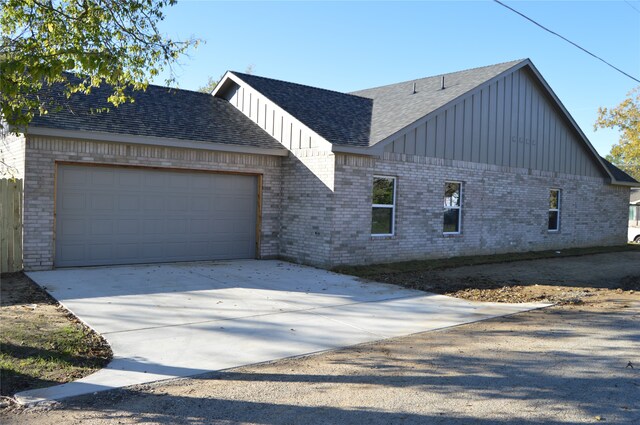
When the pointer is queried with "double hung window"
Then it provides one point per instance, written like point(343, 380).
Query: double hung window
point(383, 208)
point(452, 207)
point(554, 210)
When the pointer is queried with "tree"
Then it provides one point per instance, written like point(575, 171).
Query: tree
point(115, 42)
point(626, 118)
point(211, 83)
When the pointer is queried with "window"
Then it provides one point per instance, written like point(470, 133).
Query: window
point(452, 207)
point(383, 209)
point(554, 210)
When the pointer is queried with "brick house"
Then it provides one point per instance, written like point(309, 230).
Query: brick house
point(481, 161)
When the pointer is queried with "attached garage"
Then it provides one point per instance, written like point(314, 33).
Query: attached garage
point(127, 215)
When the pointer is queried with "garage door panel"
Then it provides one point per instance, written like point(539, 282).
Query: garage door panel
point(70, 227)
point(102, 177)
point(102, 227)
point(103, 202)
point(72, 201)
point(101, 251)
point(153, 201)
point(129, 179)
point(127, 227)
point(72, 252)
point(127, 215)
point(74, 178)
point(128, 202)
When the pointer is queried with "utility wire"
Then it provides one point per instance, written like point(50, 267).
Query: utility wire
point(632, 6)
point(565, 39)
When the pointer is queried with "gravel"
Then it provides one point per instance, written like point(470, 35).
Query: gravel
point(571, 363)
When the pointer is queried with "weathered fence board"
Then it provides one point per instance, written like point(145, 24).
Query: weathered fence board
point(10, 225)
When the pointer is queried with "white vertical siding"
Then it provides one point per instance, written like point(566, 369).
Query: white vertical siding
point(274, 120)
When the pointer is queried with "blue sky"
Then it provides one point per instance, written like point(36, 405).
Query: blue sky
point(346, 46)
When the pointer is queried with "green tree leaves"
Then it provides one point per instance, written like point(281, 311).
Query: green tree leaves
point(626, 118)
point(116, 42)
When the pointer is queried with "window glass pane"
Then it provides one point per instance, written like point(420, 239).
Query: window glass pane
point(553, 199)
point(553, 220)
point(382, 191)
point(381, 223)
point(451, 221)
point(452, 194)
point(632, 213)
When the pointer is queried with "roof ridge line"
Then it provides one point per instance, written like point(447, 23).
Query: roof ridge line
point(148, 85)
point(240, 74)
point(516, 61)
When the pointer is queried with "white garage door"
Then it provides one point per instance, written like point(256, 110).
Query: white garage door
point(121, 215)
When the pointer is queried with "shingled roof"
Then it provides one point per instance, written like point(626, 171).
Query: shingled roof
point(396, 106)
point(157, 112)
point(617, 173)
point(342, 119)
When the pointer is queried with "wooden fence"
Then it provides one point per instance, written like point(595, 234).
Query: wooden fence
point(10, 225)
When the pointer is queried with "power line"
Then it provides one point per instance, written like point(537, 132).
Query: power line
point(567, 40)
point(632, 6)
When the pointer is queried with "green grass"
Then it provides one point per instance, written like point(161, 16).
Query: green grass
point(370, 271)
point(40, 343)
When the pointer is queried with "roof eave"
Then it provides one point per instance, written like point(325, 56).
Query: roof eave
point(153, 141)
point(624, 183)
point(356, 150)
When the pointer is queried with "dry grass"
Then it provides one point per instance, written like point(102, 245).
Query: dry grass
point(41, 343)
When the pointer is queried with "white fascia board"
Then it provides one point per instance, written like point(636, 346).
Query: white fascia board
point(239, 81)
point(218, 86)
point(153, 141)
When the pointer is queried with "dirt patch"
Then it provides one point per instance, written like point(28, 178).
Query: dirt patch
point(570, 363)
point(589, 280)
point(564, 364)
point(41, 343)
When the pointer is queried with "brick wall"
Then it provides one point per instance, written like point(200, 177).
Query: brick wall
point(316, 205)
point(504, 210)
point(307, 207)
point(42, 152)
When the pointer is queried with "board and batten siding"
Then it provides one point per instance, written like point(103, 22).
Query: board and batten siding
point(510, 122)
point(281, 125)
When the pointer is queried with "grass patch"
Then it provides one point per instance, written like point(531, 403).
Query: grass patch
point(377, 270)
point(41, 343)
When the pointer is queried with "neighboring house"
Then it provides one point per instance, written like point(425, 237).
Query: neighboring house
point(634, 214)
point(480, 161)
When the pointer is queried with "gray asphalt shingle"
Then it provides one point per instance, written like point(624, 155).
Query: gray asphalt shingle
point(395, 106)
point(156, 112)
point(342, 119)
point(617, 173)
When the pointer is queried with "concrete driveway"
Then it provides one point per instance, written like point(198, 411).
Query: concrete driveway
point(174, 320)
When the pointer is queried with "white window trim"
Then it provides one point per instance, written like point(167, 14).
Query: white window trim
point(392, 206)
point(459, 208)
point(557, 229)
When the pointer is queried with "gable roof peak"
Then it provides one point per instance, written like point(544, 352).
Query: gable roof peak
point(396, 106)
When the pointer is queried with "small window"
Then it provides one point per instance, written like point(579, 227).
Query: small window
point(383, 209)
point(554, 210)
point(452, 207)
